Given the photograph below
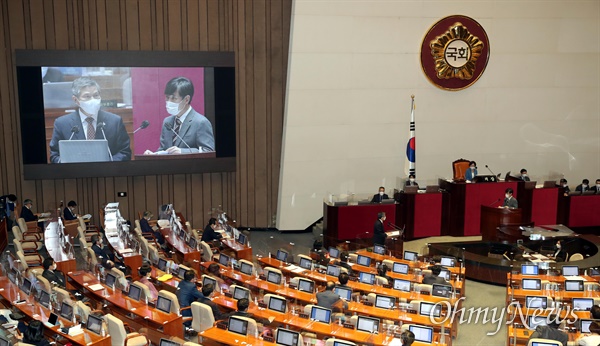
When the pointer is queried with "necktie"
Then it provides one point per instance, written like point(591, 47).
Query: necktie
point(91, 132)
point(176, 129)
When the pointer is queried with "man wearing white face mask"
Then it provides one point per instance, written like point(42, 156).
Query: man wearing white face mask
point(378, 198)
point(411, 181)
point(584, 186)
point(509, 200)
point(185, 131)
point(596, 188)
point(86, 95)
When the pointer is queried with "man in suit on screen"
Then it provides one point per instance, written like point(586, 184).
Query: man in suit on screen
point(89, 122)
point(185, 131)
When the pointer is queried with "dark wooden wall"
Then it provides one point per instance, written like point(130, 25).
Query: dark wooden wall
point(256, 30)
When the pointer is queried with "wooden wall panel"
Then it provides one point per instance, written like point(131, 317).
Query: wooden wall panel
point(256, 30)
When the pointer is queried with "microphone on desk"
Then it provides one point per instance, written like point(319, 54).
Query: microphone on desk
point(101, 125)
point(74, 130)
point(488, 168)
point(170, 127)
point(144, 124)
point(489, 205)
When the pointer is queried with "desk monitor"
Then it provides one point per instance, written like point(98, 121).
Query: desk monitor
point(241, 292)
point(402, 285)
point(135, 293)
point(584, 325)
point(94, 324)
point(273, 277)
point(574, 193)
point(570, 270)
point(167, 342)
point(306, 285)
point(338, 342)
point(163, 304)
point(320, 314)
point(241, 239)
point(334, 252)
point(536, 302)
point(432, 188)
point(531, 284)
point(246, 268)
point(366, 278)
point(430, 309)
point(549, 183)
point(367, 324)
point(4, 341)
point(44, 298)
point(238, 325)
point(305, 263)
point(110, 280)
point(546, 343)
point(422, 333)
point(193, 243)
point(363, 260)
point(388, 201)
point(181, 272)
point(333, 270)
point(286, 337)
point(277, 304)
point(53, 319)
point(411, 189)
point(26, 286)
point(208, 280)
point(384, 302)
point(445, 273)
point(529, 269)
point(573, 285)
point(224, 260)
point(379, 249)
point(401, 268)
point(282, 255)
point(438, 290)
point(447, 261)
point(344, 292)
point(82, 150)
point(534, 321)
point(411, 256)
point(583, 304)
point(162, 264)
point(66, 311)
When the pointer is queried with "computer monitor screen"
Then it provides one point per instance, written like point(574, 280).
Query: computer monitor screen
point(366, 278)
point(53, 318)
point(305, 285)
point(534, 321)
point(333, 270)
point(273, 277)
point(411, 256)
point(379, 249)
point(402, 285)
point(422, 334)
point(536, 302)
point(441, 290)
point(344, 292)
point(167, 342)
point(44, 298)
point(238, 325)
point(135, 292)
point(287, 337)
point(162, 264)
point(208, 280)
point(531, 284)
point(193, 243)
point(584, 325)
point(66, 311)
point(3, 341)
point(277, 304)
point(367, 324)
point(282, 255)
point(430, 309)
point(224, 260)
point(583, 304)
point(240, 292)
point(570, 270)
point(181, 272)
point(445, 273)
point(401, 268)
point(246, 268)
point(574, 285)
point(163, 304)
point(545, 343)
point(111, 280)
point(384, 302)
point(320, 314)
point(529, 269)
point(334, 252)
point(26, 286)
point(363, 260)
point(241, 239)
point(94, 324)
point(305, 263)
point(447, 261)
point(341, 343)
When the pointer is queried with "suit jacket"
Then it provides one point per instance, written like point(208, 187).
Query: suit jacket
point(581, 189)
point(408, 183)
point(326, 299)
point(210, 234)
point(187, 293)
point(68, 214)
point(102, 253)
point(116, 135)
point(469, 174)
point(346, 265)
point(547, 332)
point(430, 280)
point(196, 131)
point(54, 276)
point(378, 199)
point(379, 235)
point(510, 202)
point(525, 178)
point(593, 188)
point(147, 229)
point(218, 315)
point(27, 215)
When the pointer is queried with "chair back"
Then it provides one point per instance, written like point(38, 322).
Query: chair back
point(268, 270)
point(18, 245)
point(189, 343)
point(137, 225)
point(423, 288)
point(248, 263)
point(380, 280)
point(116, 329)
point(331, 342)
point(43, 283)
point(415, 304)
point(202, 317)
point(459, 168)
point(153, 254)
point(121, 280)
point(92, 259)
point(22, 224)
point(371, 298)
point(17, 233)
point(82, 240)
point(173, 298)
point(538, 341)
point(252, 326)
point(82, 310)
point(62, 295)
point(21, 264)
point(206, 252)
point(308, 309)
point(576, 257)
point(233, 287)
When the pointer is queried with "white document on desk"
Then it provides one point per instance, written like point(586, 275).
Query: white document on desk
point(96, 287)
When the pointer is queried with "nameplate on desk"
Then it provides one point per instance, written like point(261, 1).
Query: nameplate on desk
point(301, 315)
point(262, 277)
point(425, 293)
point(228, 294)
point(268, 338)
point(410, 311)
point(349, 326)
point(222, 325)
point(386, 286)
point(262, 305)
point(368, 304)
point(353, 278)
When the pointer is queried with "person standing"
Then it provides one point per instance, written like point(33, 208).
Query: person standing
point(379, 234)
point(509, 200)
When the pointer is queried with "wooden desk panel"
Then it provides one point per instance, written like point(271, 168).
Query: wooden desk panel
point(241, 251)
point(183, 252)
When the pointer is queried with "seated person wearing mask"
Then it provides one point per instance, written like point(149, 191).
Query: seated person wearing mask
point(563, 184)
point(434, 278)
point(411, 181)
point(69, 212)
point(550, 331)
point(596, 188)
point(559, 255)
point(26, 212)
point(53, 276)
point(509, 200)
point(379, 197)
point(104, 257)
point(471, 173)
point(145, 274)
point(146, 228)
point(584, 186)
point(524, 175)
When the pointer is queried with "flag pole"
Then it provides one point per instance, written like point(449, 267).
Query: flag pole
point(411, 145)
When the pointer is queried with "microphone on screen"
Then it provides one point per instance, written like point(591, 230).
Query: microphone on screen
point(170, 127)
point(74, 130)
point(144, 124)
point(101, 125)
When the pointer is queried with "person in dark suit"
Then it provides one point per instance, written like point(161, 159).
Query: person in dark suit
point(595, 312)
point(471, 173)
point(563, 183)
point(327, 299)
point(584, 186)
point(379, 197)
point(560, 255)
point(51, 274)
point(344, 262)
point(194, 129)
point(209, 233)
point(146, 228)
point(596, 188)
point(69, 212)
point(550, 331)
point(411, 181)
point(207, 290)
point(379, 234)
point(434, 278)
point(104, 257)
point(343, 279)
point(26, 213)
point(91, 122)
point(242, 311)
point(187, 293)
point(509, 200)
point(524, 175)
